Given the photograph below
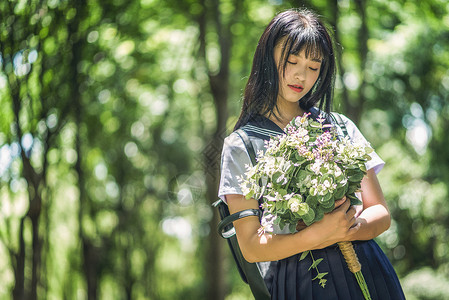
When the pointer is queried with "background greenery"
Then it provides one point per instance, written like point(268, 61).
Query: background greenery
point(112, 118)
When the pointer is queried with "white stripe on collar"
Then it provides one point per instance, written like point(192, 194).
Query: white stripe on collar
point(261, 130)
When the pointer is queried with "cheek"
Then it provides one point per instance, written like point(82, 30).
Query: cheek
point(314, 78)
point(282, 77)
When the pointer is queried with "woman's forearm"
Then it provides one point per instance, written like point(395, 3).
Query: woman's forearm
point(334, 227)
point(269, 247)
point(257, 247)
point(374, 220)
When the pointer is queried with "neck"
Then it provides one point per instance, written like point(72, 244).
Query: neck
point(286, 113)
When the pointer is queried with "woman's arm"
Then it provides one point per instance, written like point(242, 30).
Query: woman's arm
point(375, 217)
point(335, 226)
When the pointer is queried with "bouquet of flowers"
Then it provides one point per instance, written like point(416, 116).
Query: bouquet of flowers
point(301, 175)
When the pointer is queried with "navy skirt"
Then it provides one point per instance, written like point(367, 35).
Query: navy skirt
point(290, 278)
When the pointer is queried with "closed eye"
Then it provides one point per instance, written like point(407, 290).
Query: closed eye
point(314, 69)
point(292, 63)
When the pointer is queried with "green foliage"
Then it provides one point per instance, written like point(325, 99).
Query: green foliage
point(314, 266)
point(305, 191)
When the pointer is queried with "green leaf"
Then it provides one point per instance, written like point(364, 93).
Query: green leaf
point(319, 214)
point(356, 201)
point(315, 263)
point(320, 275)
point(356, 177)
point(352, 188)
point(312, 201)
point(363, 167)
point(328, 209)
point(276, 176)
point(283, 192)
point(303, 255)
point(299, 159)
point(323, 282)
point(302, 175)
point(280, 205)
point(282, 224)
point(339, 192)
point(250, 194)
point(292, 228)
point(328, 204)
point(303, 209)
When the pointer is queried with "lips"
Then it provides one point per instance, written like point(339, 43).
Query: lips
point(296, 88)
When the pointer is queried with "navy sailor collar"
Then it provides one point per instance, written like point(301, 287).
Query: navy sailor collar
point(261, 127)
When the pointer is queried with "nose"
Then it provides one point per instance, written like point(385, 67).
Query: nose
point(300, 73)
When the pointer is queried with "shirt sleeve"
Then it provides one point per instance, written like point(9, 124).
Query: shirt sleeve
point(354, 133)
point(234, 159)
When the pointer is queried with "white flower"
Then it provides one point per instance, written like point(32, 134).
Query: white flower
point(316, 166)
point(289, 196)
point(337, 171)
point(294, 203)
point(266, 206)
point(266, 223)
point(294, 206)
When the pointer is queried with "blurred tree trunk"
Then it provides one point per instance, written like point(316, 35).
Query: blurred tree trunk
point(34, 177)
point(355, 108)
point(335, 16)
point(219, 86)
point(90, 253)
point(353, 104)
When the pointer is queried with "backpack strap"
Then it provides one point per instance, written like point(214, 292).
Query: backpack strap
point(248, 145)
point(338, 120)
point(234, 217)
point(249, 272)
point(225, 227)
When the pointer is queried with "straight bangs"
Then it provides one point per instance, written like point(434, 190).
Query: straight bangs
point(310, 40)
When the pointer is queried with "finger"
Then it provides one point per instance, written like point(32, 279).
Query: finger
point(351, 212)
point(352, 222)
point(354, 229)
point(340, 202)
point(344, 207)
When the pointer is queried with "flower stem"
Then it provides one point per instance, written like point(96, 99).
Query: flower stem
point(347, 249)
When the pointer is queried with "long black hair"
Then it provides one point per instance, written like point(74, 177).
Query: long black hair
point(298, 30)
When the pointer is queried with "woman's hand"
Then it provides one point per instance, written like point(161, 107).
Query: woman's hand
point(337, 225)
point(338, 203)
point(301, 225)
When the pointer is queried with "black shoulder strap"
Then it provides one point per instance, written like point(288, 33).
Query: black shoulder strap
point(249, 146)
point(225, 227)
point(249, 272)
point(336, 117)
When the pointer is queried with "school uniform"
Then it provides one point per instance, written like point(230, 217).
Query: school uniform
point(290, 278)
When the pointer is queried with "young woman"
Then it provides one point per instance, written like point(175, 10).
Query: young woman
point(293, 72)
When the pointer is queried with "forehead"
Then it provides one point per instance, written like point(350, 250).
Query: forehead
point(281, 52)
